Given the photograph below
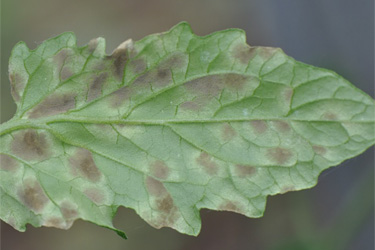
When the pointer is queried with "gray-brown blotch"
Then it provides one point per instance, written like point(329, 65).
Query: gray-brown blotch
point(259, 126)
point(279, 155)
point(159, 169)
point(320, 150)
point(53, 105)
point(17, 84)
point(31, 145)
point(7, 163)
point(205, 160)
point(282, 126)
point(228, 132)
point(32, 195)
point(83, 163)
point(120, 56)
point(95, 195)
point(95, 89)
point(244, 53)
point(245, 170)
point(68, 210)
point(164, 205)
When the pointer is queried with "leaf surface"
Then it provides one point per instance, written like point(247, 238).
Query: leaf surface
point(169, 125)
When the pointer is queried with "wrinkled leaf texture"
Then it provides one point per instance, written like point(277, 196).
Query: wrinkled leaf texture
point(169, 125)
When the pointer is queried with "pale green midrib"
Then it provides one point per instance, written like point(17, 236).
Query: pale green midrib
point(43, 123)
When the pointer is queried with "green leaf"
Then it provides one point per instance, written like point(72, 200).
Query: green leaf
point(167, 126)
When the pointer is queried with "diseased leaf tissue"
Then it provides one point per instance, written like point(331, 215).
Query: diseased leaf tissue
point(167, 126)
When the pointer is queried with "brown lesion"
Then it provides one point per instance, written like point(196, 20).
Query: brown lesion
point(120, 56)
point(83, 163)
point(53, 105)
point(244, 53)
point(208, 164)
point(282, 126)
point(7, 163)
point(245, 170)
point(230, 206)
point(279, 155)
point(32, 195)
point(287, 188)
point(95, 89)
point(30, 145)
point(159, 169)
point(320, 150)
point(17, 84)
point(259, 126)
point(95, 195)
point(330, 116)
point(69, 210)
point(155, 187)
point(228, 132)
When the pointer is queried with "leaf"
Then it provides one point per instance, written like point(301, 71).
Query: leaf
point(167, 126)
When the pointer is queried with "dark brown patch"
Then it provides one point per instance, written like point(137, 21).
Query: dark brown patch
point(95, 89)
point(282, 126)
point(266, 52)
point(138, 65)
point(65, 73)
point(229, 206)
point(30, 145)
point(155, 187)
point(208, 86)
point(92, 45)
point(32, 195)
point(165, 204)
point(245, 170)
point(159, 169)
point(244, 53)
point(95, 195)
point(119, 58)
point(54, 222)
point(53, 105)
point(189, 105)
point(330, 116)
point(60, 57)
point(163, 77)
point(228, 132)
point(68, 210)
point(16, 85)
point(320, 150)
point(286, 189)
point(7, 163)
point(205, 160)
point(84, 163)
point(235, 81)
point(279, 155)
point(121, 95)
point(259, 126)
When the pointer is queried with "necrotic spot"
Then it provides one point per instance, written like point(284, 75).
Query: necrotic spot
point(286, 189)
point(32, 195)
point(95, 195)
point(30, 145)
point(205, 160)
point(120, 56)
point(68, 210)
point(259, 126)
point(118, 97)
point(329, 116)
point(65, 73)
point(84, 163)
point(159, 169)
point(282, 126)
point(155, 187)
point(53, 105)
point(228, 132)
point(244, 53)
point(16, 85)
point(208, 86)
point(95, 89)
point(279, 155)
point(165, 204)
point(245, 170)
point(230, 206)
point(7, 163)
point(320, 150)
point(235, 81)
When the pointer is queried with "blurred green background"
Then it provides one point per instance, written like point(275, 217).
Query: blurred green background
point(336, 34)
